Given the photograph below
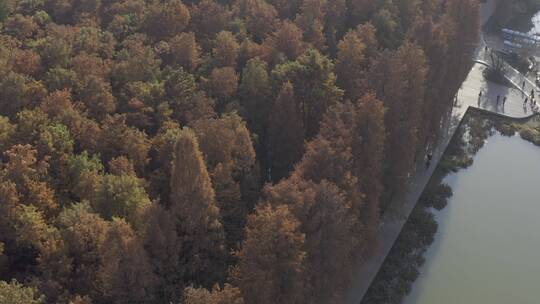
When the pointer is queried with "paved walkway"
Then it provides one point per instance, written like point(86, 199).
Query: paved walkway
point(392, 221)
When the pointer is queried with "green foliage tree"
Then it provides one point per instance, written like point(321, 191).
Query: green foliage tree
point(120, 196)
point(15, 293)
point(314, 85)
point(226, 295)
point(187, 101)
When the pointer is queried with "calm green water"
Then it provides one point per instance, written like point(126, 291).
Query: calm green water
point(487, 248)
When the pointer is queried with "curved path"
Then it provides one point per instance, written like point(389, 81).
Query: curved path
point(393, 220)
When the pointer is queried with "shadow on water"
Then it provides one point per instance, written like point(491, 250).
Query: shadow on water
point(402, 266)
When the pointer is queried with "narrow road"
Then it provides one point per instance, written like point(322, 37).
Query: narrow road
point(392, 221)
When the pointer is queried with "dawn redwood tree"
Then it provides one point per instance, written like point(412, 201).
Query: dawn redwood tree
point(400, 80)
point(331, 234)
point(117, 139)
point(463, 17)
point(260, 17)
point(368, 35)
point(433, 38)
point(225, 51)
point(311, 20)
point(208, 17)
point(125, 275)
point(287, 40)
point(186, 100)
point(194, 205)
point(223, 83)
point(368, 153)
point(270, 261)
point(75, 261)
point(184, 51)
point(287, 9)
point(285, 133)
point(254, 91)
point(231, 162)
point(165, 20)
point(163, 248)
point(351, 65)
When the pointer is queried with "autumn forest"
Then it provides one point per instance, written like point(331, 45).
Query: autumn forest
point(212, 151)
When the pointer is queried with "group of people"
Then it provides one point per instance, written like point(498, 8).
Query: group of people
point(480, 94)
point(528, 99)
point(531, 100)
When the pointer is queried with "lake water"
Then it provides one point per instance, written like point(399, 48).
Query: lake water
point(487, 248)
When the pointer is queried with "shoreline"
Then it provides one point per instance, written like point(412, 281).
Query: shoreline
point(400, 269)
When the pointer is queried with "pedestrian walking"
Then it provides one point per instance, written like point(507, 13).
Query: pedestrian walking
point(504, 101)
point(428, 160)
point(479, 97)
point(498, 99)
point(532, 93)
point(526, 99)
point(523, 85)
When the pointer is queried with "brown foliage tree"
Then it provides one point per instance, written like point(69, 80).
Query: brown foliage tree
point(82, 233)
point(193, 203)
point(259, 16)
point(312, 21)
point(368, 35)
point(287, 40)
point(286, 133)
point(230, 158)
point(208, 18)
point(117, 139)
point(225, 51)
point(270, 263)
point(163, 247)
point(165, 20)
point(351, 65)
point(223, 83)
point(125, 275)
point(331, 237)
point(184, 51)
point(400, 79)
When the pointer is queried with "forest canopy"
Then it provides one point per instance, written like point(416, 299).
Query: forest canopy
point(212, 151)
